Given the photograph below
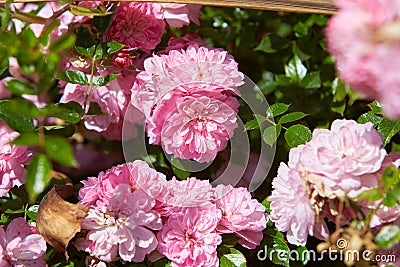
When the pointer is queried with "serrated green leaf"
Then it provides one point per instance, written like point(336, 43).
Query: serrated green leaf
point(103, 80)
point(303, 254)
point(19, 122)
point(70, 112)
point(271, 134)
point(388, 128)
point(272, 43)
point(370, 117)
point(278, 250)
point(32, 212)
point(277, 109)
point(76, 77)
point(37, 175)
point(301, 29)
point(294, 116)
point(370, 195)
point(59, 150)
point(295, 69)
point(297, 135)
point(388, 236)
point(267, 205)
point(392, 198)
point(20, 88)
point(234, 259)
point(390, 176)
point(376, 107)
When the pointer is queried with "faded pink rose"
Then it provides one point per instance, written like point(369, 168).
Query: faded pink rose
point(137, 26)
point(189, 238)
point(343, 154)
point(363, 37)
point(12, 159)
point(198, 129)
point(291, 208)
point(124, 227)
point(241, 215)
point(21, 246)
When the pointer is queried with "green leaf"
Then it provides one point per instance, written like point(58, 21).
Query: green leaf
point(311, 80)
point(370, 195)
point(277, 249)
point(60, 151)
point(19, 122)
point(339, 107)
point(295, 69)
point(272, 43)
point(254, 123)
point(12, 206)
point(75, 77)
point(32, 212)
point(234, 259)
point(297, 135)
point(27, 138)
point(388, 236)
point(388, 128)
point(376, 107)
point(88, 12)
point(267, 205)
point(294, 116)
point(21, 106)
point(20, 88)
point(103, 80)
point(178, 169)
point(301, 29)
point(70, 112)
point(37, 175)
point(105, 49)
point(62, 43)
point(84, 44)
point(390, 176)
point(370, 117)
point(339, 90)
point(392, 198)
point(277, 109)
point(271, 134)
point(113, 47)
point(303, 254)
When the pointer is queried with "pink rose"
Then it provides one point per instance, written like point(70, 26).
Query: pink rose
point(21, 246)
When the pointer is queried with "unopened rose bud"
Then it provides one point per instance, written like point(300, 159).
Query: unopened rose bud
point(122, 61)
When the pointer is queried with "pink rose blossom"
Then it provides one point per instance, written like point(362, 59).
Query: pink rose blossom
point(198, 129)
point(137, 26)
point(363, 36)
point(343, 154)
point(182, 43)
point(122, 60)
point(138, 175)
point(241, 215)
point(124, 227)
point(12, 159)
point(179, 15)
point(191, 192)
point(21, 246)
point(186, 70)
point(291, 209)
point(189, 237)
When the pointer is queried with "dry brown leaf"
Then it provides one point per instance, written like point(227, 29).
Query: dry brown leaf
point(58, 221)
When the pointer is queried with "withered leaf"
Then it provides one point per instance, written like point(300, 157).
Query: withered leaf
point(58, 220)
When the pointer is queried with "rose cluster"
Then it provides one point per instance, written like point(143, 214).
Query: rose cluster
point(364, 38)
point(336, 165)
point(134, 212)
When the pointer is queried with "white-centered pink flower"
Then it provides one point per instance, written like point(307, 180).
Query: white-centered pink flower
point(21, 246)
point(198, 129)
point(343, 154)
point(12, 160)
point(125, 227)
point(189, 238)
point(137, 26)
point(241, 215)
point(364, 38)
